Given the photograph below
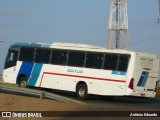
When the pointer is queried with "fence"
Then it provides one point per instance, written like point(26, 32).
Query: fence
point(40, 93)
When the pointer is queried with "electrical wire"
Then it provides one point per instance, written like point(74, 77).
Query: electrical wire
point(149, 38)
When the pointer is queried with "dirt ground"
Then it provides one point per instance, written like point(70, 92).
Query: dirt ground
point(12, 102)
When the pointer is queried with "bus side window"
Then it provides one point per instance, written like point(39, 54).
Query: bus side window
point(11, 59)
point(63, 58)
point(94, 60)
point(42, 55)
point(123, 63)
point(38, 55)
point(59, 57)
point(55, 57)
point(98, 61)
point(27, 54)
point(110, 62)
point(89, 60)
point(46, 56)
point(76, 58)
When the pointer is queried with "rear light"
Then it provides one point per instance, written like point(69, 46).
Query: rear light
point(131, 84)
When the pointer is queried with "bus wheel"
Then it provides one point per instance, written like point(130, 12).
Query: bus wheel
point(22, 82)
point(82, 91)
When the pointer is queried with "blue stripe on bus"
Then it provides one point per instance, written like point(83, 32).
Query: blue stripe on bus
point(143, 79)
point(35, 74)
point(118, 73)
point(25, 69)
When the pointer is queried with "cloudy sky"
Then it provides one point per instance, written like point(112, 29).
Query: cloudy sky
point(75, 21)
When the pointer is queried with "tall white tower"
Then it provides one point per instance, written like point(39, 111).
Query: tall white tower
point(159, 6)
point(118, 25)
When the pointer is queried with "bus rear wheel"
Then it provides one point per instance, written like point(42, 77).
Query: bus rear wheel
point(22, 82)
point(82, 91)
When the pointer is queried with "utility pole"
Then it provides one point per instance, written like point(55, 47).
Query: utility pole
point(118, 25)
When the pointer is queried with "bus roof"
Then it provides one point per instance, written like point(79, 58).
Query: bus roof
point(20, 44)
point(75, 46)
point(57, 44)
point(60, 45)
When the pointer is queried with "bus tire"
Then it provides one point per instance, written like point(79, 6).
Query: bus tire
point(22, 82)
point(82, 91)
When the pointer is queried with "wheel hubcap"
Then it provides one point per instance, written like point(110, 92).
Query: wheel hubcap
point(81, 92)
point(23, 84)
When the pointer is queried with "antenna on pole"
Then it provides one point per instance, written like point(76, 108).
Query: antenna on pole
point(159, 6)
point(118, 25)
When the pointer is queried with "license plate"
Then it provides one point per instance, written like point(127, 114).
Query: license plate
point(143, 95)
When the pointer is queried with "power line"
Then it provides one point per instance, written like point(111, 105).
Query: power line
point(152, 36)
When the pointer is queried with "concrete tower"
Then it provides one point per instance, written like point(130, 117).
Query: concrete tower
point(118, 25)
point(159, 6)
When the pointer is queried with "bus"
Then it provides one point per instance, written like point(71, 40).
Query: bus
point(83, 69)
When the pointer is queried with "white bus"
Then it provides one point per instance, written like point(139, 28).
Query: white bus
point(83, 69)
